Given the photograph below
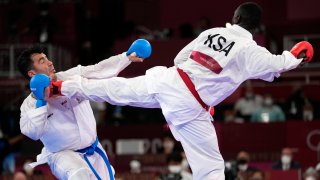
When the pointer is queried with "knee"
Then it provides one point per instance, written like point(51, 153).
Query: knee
point(82, 173)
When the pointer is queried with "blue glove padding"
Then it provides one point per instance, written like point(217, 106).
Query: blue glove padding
point(141, 47)
point(41, 103)
point(37, 85)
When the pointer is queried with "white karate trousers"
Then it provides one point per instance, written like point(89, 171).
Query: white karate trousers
point(163, 87)
point(70, 165)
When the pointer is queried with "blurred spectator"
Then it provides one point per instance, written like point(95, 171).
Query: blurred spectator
point(117, 113)
point(135, 167)
point(44, 25)
point(229, 115)
point(4, 148)
point(310, 174)
point(7, 156)
point(8, 163)
point(230, 170)
point(168, 145)
point(244, 171)
point(269, 112)
point(175, 171)
point(298, 106)
point(28, 170)
point(239, 169)
point(247, 105)
point(258, 175)
point(19, 176)
point(318, 168)
point(308, 112)
point(286, 162)
point(203, 24)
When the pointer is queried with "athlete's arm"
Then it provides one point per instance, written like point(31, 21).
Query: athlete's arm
point(137, 52)
point(33, 121)
point(104, 69)
point(261, 64)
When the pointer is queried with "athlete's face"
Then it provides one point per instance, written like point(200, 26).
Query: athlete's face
point(41, 65)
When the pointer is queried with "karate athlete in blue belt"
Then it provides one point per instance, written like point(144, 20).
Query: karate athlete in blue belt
point(66, 126)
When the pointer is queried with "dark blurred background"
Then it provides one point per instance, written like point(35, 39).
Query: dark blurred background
point(88, 31)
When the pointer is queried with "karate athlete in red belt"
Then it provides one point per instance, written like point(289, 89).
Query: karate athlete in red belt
point(206, 71)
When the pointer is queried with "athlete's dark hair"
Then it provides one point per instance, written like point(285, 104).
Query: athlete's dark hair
point(25, 62)
point(250, 15)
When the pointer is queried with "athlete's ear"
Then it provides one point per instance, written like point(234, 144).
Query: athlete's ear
point(236, 19)
point(31, 73)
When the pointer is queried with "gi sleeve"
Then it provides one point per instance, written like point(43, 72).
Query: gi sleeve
point(261, 64)
point(33, 121)
point(104, 69)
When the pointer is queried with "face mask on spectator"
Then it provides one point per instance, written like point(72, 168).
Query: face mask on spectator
point(243, 167)
point(175, 168)
point(242, 164)
point(285, 159)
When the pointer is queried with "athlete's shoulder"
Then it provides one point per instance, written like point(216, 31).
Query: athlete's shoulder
point(28, 98)
point(63, 75)
point(213, 30)
point(28, 103)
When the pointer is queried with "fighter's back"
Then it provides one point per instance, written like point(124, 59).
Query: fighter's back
point(220, 59)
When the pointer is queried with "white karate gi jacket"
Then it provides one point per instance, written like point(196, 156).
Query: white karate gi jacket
point(67, 124)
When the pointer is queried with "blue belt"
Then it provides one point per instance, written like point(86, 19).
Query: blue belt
point(90, 151)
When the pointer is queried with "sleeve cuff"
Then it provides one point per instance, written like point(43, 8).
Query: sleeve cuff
point(288, 53)
point(124, 56)
point(293, 61)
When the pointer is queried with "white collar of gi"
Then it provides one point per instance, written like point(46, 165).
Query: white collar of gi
point(241, 31)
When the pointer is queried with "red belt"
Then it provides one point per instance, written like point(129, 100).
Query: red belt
point(192, 89)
